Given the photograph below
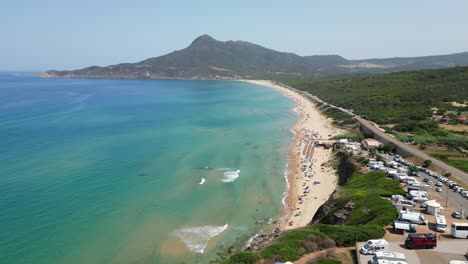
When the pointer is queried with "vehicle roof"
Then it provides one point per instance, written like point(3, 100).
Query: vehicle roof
point(390, 255)
point(410, 213)
point(427, 235)
point(460, 224)
point(378, 241)
point(440, 218)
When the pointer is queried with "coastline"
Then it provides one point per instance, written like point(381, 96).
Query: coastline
point(310, 179)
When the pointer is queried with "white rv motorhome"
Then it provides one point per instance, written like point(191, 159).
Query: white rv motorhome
point(374, 245)
point(412, 217)
point(388, 258)
point(417, 186)
point(440, 223)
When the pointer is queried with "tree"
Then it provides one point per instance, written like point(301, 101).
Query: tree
point(441, 111)
point(427, 163)
point(413, 169)
point(389, 147)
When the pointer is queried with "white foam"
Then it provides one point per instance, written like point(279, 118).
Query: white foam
point(230, 175)
point(202, 181)
point(285, 193)
point(196, 238)
point(249, 241)
point(292, 131)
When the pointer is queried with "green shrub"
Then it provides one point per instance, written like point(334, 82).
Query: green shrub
point(243, 257)
point(289, 245)
point(346, 236)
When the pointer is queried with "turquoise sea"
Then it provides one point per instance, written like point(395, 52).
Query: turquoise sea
point(109, 171)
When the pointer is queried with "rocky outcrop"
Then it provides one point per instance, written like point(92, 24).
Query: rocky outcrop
point(336, 210)
point(263, 240)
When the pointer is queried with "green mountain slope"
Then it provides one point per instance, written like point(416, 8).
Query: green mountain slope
point(207, 58)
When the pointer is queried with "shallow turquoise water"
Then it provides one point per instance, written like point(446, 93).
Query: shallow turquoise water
point(108, 171)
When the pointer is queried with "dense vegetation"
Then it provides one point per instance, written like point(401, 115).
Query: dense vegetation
point(395, 98)
point(370, 214)
point(339, 118)
point(365, 192)
point(402, 102)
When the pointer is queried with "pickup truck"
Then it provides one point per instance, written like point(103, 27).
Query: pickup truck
point(421, 241)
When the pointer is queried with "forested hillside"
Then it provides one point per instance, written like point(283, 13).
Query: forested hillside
point(394, 97)
point(405, 101)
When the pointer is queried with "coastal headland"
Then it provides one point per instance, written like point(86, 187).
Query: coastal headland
point(310, 178)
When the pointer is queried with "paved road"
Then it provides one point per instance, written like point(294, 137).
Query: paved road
point(463, 176)
point(455, 200)
point(415, 152)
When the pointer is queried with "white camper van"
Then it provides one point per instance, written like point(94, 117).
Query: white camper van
point(373, 246)
point(388, 258)
point(440, 223)
point(413, 217)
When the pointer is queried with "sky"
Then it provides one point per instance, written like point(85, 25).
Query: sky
point(66, 35)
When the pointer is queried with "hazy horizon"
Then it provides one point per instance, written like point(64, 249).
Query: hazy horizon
point(58, 35)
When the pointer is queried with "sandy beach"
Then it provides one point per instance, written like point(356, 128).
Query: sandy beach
point(311, 178)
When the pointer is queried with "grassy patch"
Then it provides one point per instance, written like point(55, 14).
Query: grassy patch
point(365, 192)
point(371, 212)
point(347, 235)
point(243, 257)
point(295, 243)
point(339, 118)
point(401, 98)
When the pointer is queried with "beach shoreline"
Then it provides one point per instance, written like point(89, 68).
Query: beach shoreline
point(310, 178)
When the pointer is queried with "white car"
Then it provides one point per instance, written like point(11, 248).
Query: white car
point(439, 184)
point(438, 189)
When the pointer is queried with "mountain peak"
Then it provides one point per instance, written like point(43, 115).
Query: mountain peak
point(203, 39)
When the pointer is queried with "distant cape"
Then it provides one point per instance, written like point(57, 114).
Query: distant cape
point(208, 58)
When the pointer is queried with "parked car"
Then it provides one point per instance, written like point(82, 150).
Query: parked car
point(438, 189)
point(438, 184)
point(456, 215)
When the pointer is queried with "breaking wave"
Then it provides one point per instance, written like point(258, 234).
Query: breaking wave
point(285, 193)
point(230, 175)
point(196, 238)
point(292, 131)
